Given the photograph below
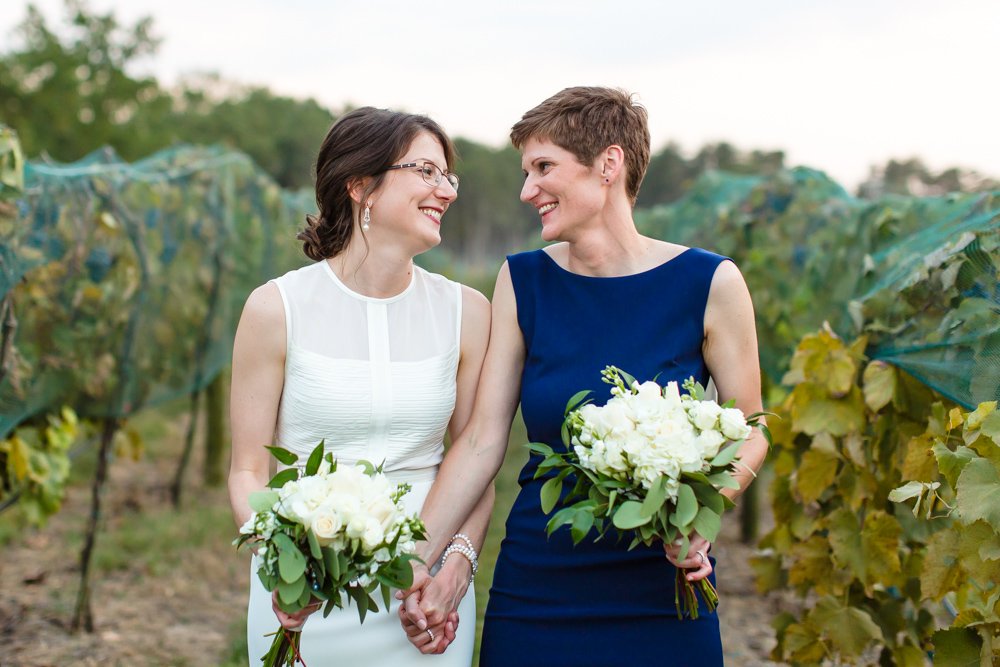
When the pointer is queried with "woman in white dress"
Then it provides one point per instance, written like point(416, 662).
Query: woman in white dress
point(373, 354)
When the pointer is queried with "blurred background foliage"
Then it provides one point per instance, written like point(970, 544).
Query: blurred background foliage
point(72, 88)
point(122, 272)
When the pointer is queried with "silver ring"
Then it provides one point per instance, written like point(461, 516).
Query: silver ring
point(702, 556)
point(429, 633)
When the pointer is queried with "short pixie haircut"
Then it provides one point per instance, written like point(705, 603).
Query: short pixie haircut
point(585, 120)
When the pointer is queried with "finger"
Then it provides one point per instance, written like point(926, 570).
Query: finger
point(414, 613)
point(430, 645)
point(700, 572)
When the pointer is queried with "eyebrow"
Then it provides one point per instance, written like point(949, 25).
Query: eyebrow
point(433, 162)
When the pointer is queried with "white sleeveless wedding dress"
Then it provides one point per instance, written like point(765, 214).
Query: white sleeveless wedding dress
point(375, 378)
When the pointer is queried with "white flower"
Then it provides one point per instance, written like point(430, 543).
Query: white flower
point(705, 414)
point(709, 442)
point(326, 524)
point(373, 535)
point(734, 426)
point(301, 501)
point(672, 395)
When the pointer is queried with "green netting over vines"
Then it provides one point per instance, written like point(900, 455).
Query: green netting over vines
point(125, 281)
point(917, 276)
point(121, 284)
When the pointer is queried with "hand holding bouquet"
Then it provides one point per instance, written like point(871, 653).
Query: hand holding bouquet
point(330, 534)
point(651, 460)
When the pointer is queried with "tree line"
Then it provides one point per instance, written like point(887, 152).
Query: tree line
point(68, 90)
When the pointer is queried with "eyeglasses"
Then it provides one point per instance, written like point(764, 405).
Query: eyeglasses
point(430, 172)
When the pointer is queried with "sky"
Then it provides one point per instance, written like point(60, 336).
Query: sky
point(839, 86)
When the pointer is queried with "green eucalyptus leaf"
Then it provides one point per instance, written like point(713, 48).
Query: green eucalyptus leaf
point(707, 523)
point(550, 493)
point(262, 501)
point(291, 564)
point(314, 548)
point(687, 507)
point(655, 497)
point(583, 520)
point(289, 593)
point(726, 456)
point(629, 515)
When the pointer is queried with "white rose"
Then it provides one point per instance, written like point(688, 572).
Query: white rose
point(325, 527)
point(705, 414)
point(709, 442)
point(734, 425)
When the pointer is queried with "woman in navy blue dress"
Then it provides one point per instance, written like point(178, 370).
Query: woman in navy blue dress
point(603, 294)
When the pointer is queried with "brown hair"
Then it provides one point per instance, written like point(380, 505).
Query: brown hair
point(361, 144)
point(585, 120)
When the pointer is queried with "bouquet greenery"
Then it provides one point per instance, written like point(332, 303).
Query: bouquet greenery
point(329, 534)
point(652, 460)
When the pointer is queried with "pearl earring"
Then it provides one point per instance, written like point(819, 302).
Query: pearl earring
point(366, 219)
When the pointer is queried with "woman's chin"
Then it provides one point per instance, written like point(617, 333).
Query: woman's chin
point(550, 233)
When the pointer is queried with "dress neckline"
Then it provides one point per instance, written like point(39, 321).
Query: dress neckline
point(363, 297)
point(628, 275)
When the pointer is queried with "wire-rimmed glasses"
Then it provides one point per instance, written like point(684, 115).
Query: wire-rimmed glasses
point(430, 172)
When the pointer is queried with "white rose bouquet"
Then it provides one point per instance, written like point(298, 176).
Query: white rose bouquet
point(329, 534)
point(653, 461)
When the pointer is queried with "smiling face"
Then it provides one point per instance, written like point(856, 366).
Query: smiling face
point(408, 207)
point(567, 195)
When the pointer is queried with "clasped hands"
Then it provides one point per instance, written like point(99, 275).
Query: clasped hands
point(429, 613)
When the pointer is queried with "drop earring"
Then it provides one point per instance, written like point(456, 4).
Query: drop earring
point(366, 219)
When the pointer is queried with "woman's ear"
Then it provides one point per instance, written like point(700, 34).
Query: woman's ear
point(356, 188)
point(612, 162)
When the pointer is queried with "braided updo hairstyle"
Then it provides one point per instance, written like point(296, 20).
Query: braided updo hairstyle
point(362, 143)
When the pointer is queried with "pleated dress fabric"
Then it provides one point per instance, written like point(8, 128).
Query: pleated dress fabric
point(596, 604)
point(376, 379)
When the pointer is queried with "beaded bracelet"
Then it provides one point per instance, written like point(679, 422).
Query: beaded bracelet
point(462, 536)
point(468, 552)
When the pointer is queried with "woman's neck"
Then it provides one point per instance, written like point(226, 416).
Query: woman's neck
point(378, 271)
point(612, 246)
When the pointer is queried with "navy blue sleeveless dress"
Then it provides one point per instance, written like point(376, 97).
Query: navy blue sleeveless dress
point(595, 604)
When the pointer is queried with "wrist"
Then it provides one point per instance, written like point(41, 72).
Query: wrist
point(461, 549)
